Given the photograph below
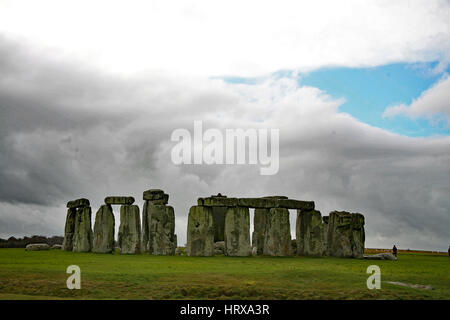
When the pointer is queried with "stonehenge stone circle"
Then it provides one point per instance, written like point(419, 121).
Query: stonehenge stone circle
point(200, 232)
point(82, 238)
point(129, 230)
point(309, 233)
point(104, 230)
point(278, 233)
point(237, 232)
point(216, 225)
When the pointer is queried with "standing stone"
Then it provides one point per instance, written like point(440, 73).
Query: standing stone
point(309, 233)
point(259, 229)
point(129, 230)
point(278, 234)
point(358, 235)
point(104, 230)
point(144, 240)
point(69, 229)
point(219, 223)
point(161, 228)
point(325, 220)
point(82, 240)
point(200, 231)
point(237, 232)
point(345, 236)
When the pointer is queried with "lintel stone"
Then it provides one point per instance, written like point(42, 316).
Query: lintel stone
point(119, 200)
point(78, 203)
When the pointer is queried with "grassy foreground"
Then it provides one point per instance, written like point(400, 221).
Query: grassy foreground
point(42, 275)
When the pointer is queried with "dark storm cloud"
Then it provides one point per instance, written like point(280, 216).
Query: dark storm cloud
point(68, 130)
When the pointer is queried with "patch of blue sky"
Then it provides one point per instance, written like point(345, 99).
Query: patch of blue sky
point(369, 91)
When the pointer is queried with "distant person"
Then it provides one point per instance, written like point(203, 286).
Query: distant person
point(449, 252)
point(394, 250)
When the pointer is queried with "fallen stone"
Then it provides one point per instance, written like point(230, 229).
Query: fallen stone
point(200, 232)
point(161, 228)
point(129, 230)
point(69, 229)
point(380, 256)
point(219, 247)
point(295, 204)
point(278, 234)
point(309, 233)
point(345, 234)
point(78, 203)
point(180, 251)
point(82, 239)
point(56, 247)
point(237, 232)
point(119, 200)
point(260, 223)
point(104, 230)
point(37, 247)
point(217, 202)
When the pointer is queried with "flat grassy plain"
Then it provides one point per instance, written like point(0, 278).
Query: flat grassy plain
point(42, 275)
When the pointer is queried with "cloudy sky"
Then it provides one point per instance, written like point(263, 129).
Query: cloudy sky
point(91, 92)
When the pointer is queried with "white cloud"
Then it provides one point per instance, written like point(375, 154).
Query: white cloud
point(232, 37)
point(434, 103)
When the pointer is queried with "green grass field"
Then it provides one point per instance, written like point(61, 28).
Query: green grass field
point(42, 275)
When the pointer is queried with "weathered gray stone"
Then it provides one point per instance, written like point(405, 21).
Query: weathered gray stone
point(180, 251)
point(217, 202)
point(258, 202)
point(144, 235)
point(82, 239)
point(219, 247)
point(380, 256)
point(104, 230)
point(200, 231)
point(37, 247)
point(219, 222)
point(129, 230)
point(325, 220)
point(154, 194)
point(294, 247)
point(56, 247)
point(278, 233)
point(237, 232)
point(260, 219)
point(309, 233)
point(119, 200)
point(345, 234)
point(161, 228)
point(69, 229)
point(295, 204)
point(78, 203)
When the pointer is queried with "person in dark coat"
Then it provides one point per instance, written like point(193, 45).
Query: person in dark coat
point(394, 250)
point(449, 252)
